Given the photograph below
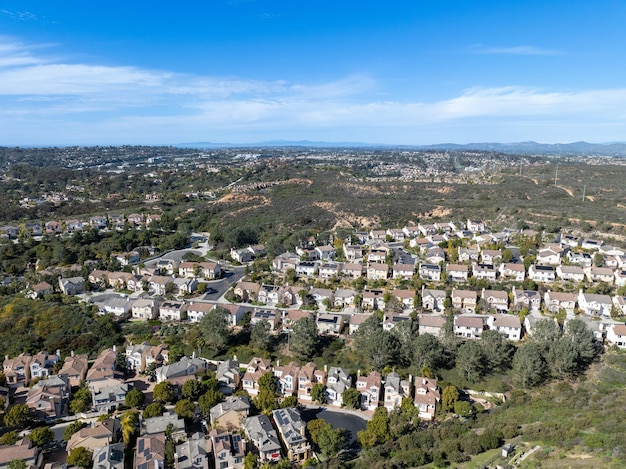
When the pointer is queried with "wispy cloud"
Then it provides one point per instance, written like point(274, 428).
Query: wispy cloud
point(49, 97)
point(20, 15)
point(511, 50)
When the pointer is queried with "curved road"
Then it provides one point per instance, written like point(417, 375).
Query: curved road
point(350, 420)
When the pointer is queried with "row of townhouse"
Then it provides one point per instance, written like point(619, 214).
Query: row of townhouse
point(299, 381)
point(98, 222)
point(466, 301)
point(471, 326)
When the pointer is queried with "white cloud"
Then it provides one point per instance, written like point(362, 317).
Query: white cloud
point(512, 50)
point(49, 98)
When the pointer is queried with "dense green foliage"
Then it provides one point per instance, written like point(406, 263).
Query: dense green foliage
point(33, 325)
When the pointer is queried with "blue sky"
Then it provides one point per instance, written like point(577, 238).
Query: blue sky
point(398, 72)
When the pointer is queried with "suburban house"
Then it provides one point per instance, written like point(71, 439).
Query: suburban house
point(616, 335)
point(600, 274)
point(490, 256)
point(468, 255)
point(484, 271)
point(429, 324)
point(268, 315)
point(193, 453)
point(196, 310)
point(556, 301)
point(247, 291)
point(529, 299)
point(48, 399)
point(506, 324)
point(144, 308)
point(74, 369)
point(287, 378)
point(572, 273)
point(593, 304)
point(376, 271)
point(396, 389)
point(39, 290)
point(158, 284)
point(469, 326)
point(402, 271)
point(139, 357)
point(329, 323)
point(292, 431)
point(228, 376)
point(230, 414)
point(22, 450)
point(96, 435)
point(306, 269)
point(373, 299)
point(344, 297)
point(72, 285)
point(173, 310)
point(457, 272)
point(427, 397)
point(325, 253)
point(261, 434)
point(356, 320)
point(285, 261)
point(228, 449)
point(104, 366)
point(430, 272)
point(337, 382)
point(309, 376)
point(352, 270)
point(254, 370)
point(496, 299)
point(464, 300)
point(185, 367)
point(108, 456)
point(433, 300)
point(542, 273)
point(510, 271)
point(370, 387)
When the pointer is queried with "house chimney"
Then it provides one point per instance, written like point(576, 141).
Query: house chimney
point(325, 368)
point(115, 348)
point(193, 355)
point(58, 353)
point(6, 357)
point(358, 373)
point(72, 353)
point(277, 363)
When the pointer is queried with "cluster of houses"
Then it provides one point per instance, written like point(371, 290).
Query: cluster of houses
point(66, 227)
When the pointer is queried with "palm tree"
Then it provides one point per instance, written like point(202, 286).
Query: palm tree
point(129, 422)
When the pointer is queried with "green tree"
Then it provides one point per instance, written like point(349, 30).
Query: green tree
point(545, 332)
point(72, 428)
point(303, 338)
point(251, 461)
point(41, 436)
point(497, 350)
point(314, 427)
point(79, 456)
point(449, 397)
point(289, 401)
point(428, 351)
point(17, 416)
point(528, 365)
point(129, 422)
point(81, 400)
point(351, 398)
point(193, 389)
point(209, 400)
point(260, 337)
point(9, 438)
point(562, 358)
point(214, 328)
point(156, 409)
point(163, 392)
point(331, 440)
point(470, 360)
point(587, 348)
point(185, 408)
point(462, 408)
point(18, 464)
point(267, 398)
point(376, 430)
point(318, 393)
point(135, 398)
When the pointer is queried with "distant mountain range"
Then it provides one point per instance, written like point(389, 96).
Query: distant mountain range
point(575, 148)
